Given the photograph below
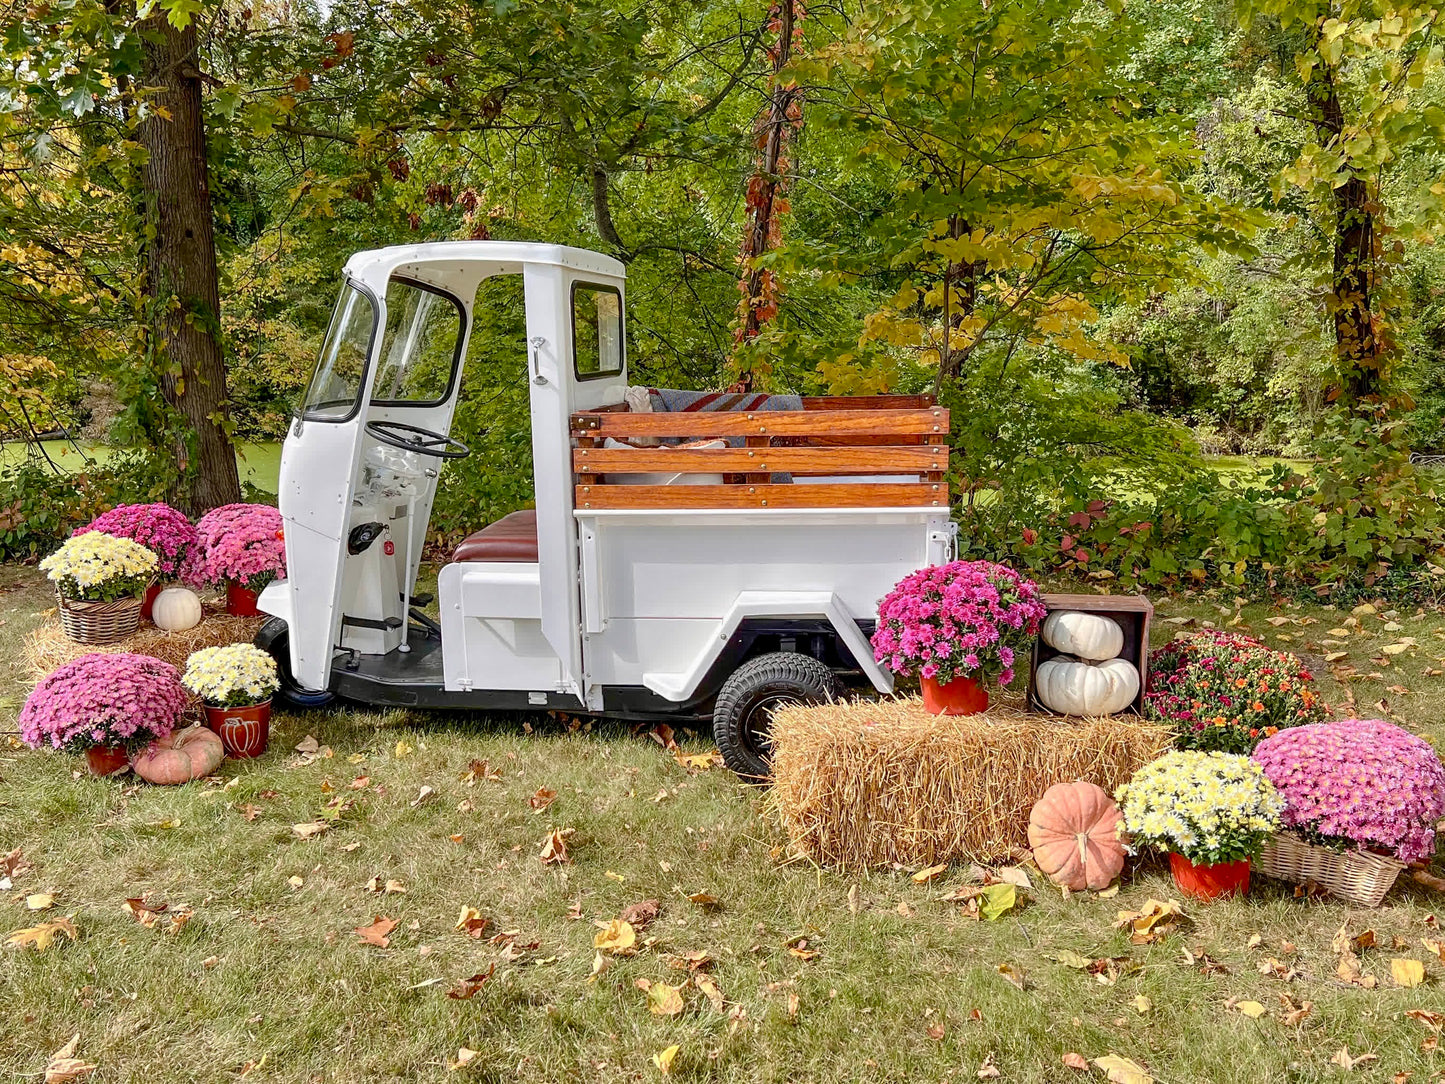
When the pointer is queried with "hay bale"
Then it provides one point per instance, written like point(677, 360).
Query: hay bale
point(47, 647)
point(871, 784)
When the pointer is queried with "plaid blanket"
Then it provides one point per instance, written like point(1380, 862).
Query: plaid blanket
point(668, 400)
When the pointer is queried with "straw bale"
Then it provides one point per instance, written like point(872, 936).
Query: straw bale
point(867, 784)
point(47, 647)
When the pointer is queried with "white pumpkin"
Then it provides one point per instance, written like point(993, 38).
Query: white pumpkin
point(176, 609)
point(1089, 636)
point(1073, 686)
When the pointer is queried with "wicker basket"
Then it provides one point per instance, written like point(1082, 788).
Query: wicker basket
point(1353, 875)
point(99, 622)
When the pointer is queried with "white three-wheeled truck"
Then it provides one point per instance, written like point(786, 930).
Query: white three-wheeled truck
point(687, 562)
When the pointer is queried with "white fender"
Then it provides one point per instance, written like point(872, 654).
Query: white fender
point(800, 604)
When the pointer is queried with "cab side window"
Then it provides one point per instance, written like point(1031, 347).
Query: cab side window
point(596, 330)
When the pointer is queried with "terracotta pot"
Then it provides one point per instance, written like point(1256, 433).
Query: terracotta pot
point(103, 760)
point(961, 696)
point(244, 731)
point(146, 603)
point(1209, 882)
point(240, 600)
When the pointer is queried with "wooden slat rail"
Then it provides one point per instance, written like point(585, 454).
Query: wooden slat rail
point(852, 439)
point(932, 422)
point(870, 459)
point(842, 495)
point(867, 402)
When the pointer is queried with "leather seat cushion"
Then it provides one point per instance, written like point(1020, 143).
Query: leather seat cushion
point(511, 538)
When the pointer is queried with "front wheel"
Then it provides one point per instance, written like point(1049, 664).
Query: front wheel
point(742, 719)
point(274, 638)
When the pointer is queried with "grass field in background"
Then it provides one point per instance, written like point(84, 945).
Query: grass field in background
point(259, 462)
point(267, 980)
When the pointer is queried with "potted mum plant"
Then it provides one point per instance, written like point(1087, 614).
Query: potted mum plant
point(167, 533)
point(955, 626)
point(1210, 812)
point(1227, 693)
point(1362, 799)
point(100, 581)
point(104, 706)
point(236, 683)
point(241, 549)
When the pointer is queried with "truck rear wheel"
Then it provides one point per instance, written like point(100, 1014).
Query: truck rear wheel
point(742, 719)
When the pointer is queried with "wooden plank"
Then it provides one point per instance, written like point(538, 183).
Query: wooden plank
point(781, 423)
point(870, 459)
point(842, 495)
point(867, 402)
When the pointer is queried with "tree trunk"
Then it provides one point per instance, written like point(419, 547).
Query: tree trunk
point(182, 278)
point(1354, 242)
point(765, 201)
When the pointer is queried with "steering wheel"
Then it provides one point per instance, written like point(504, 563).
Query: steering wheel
point(422, 441)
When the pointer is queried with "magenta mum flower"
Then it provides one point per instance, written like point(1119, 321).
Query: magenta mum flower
point(958, 619)
point(241, 543)
point(104, 700)
point(158, 527)
point(1359, 782)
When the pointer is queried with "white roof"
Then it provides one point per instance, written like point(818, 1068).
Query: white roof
point(377, 265)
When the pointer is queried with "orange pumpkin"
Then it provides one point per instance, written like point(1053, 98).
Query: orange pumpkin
point(1074, 833)
point(179, 757)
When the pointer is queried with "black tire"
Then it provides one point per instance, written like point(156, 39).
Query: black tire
point(274, 637)
point(743, 715)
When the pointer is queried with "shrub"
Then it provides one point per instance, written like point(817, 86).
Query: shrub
point(240, 543)
point(1208, 807)
point(159, 527)
point(1358, 783)
point(1226, 692)
point(953, 620)
point(98, 567)
point(104, 700)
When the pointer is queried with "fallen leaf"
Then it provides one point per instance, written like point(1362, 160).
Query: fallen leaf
point(1406, 972)
point(1252, 1009)
point(641, 914)
point(1142, 1004)
point(471, 922)
point(402, 750)
point(39, 901)
point(554, 848)
point(64, 1065)
point(1344, 1061)
point(42, 936)
point(376, 933)
point(468, 988)
point(1072, 1060)
point(709, 988)
point(698, 762)
point(295, 881)
point(997, 901)
point(853, 901)
point(422, 795)
point(705, 900)
point(308, 746)
point(1159, 918)
point(616, 937)
point(928, 873)
point(1013, 974)
point(310, 829)
point(663, 1059)
point(361, 782)
point(464, 1055)
point(1122, 1070)
point(937, 1031)
point(542, 799)
point(664, 1000)
point(1012, 875)
point(988, 1070)
point(1433, 1020)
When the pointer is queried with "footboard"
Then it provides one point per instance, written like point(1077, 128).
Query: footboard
point(818, 457)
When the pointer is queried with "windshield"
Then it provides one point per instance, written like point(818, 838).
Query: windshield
point(335, 386)
point(419, 346)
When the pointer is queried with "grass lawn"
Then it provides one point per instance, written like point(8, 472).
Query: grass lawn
point(267, 979)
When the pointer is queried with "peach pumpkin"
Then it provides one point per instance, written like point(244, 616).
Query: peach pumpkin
point(179, 757)
point(1074, 834)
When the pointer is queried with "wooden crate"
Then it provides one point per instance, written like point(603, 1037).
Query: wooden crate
point(1132, 612)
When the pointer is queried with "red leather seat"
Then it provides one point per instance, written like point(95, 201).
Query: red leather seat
point(511, 538)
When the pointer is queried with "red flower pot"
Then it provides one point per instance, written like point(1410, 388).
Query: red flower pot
point(1209, 882)
point(244, 731)
point(240, 600)
point(146, 603)
point(961, 696)
point(103, 760)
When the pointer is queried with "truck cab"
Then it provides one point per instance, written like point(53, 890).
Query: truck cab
point(688, 554)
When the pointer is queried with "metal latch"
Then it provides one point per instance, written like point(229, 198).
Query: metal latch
point(537, 342)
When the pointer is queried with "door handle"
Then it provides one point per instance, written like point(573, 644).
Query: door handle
point(537, 343)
